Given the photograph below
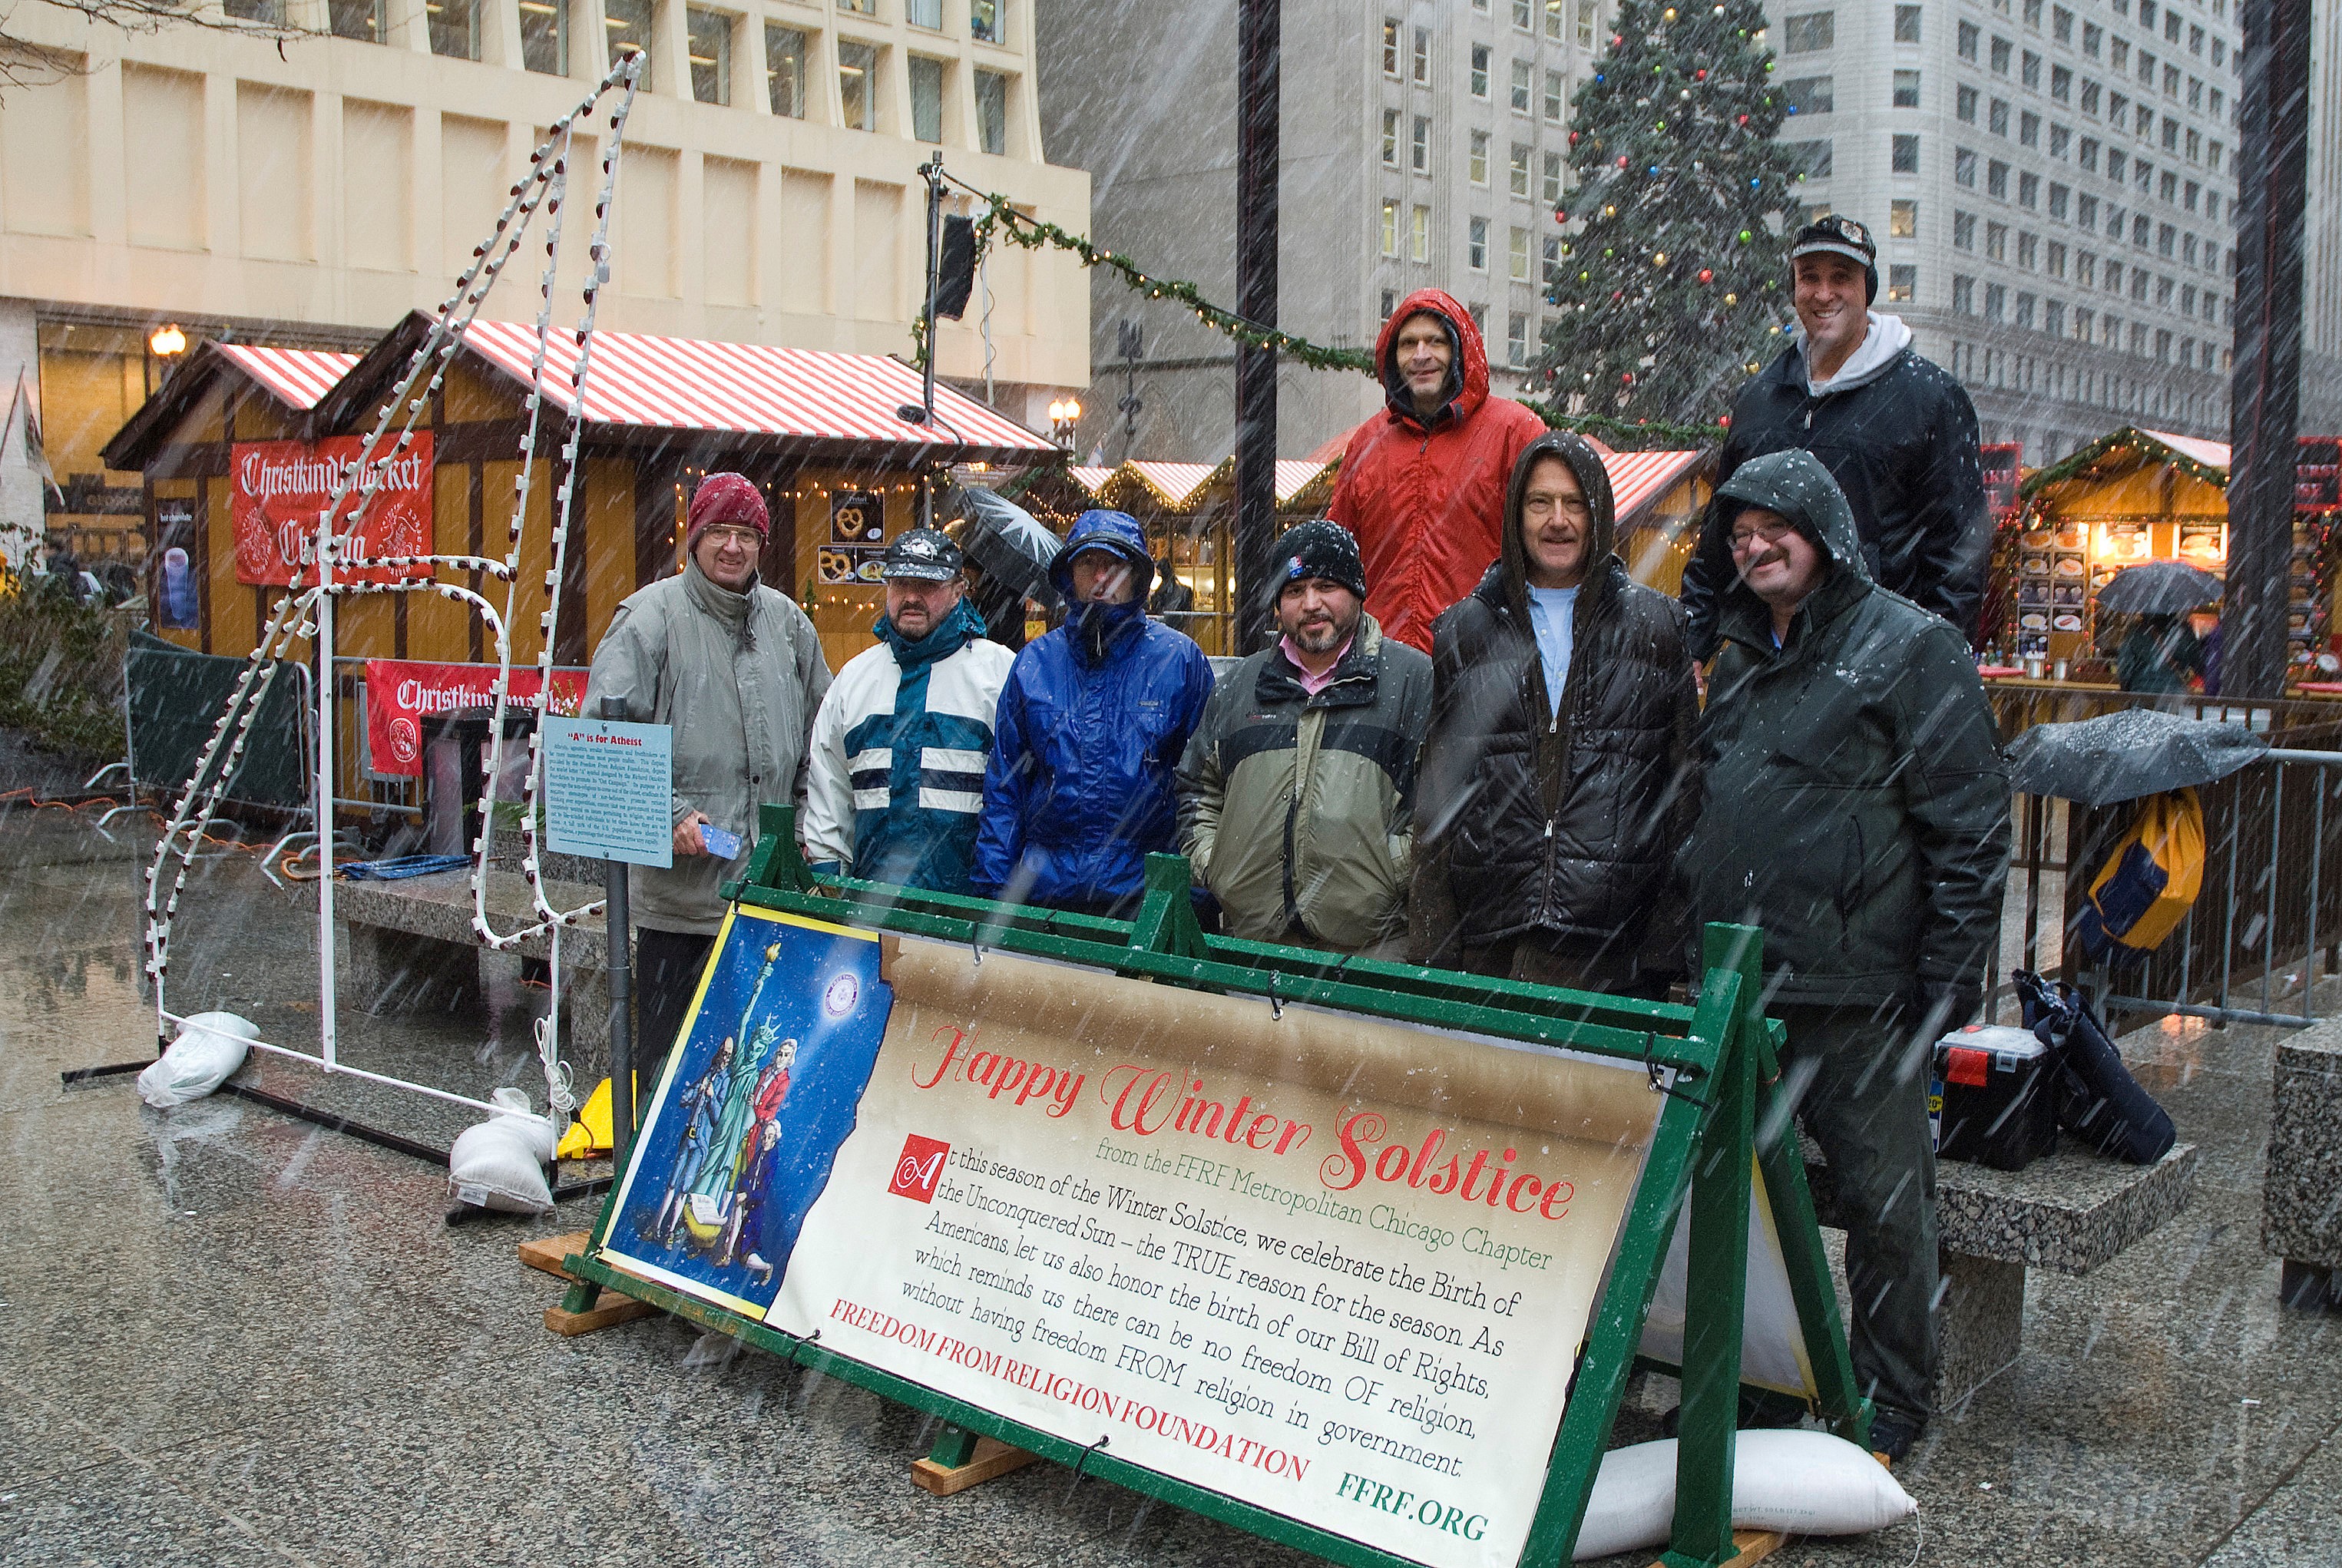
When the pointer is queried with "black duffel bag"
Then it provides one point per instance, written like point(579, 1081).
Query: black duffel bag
point(2097, 1099)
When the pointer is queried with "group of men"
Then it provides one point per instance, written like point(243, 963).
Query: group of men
point(1476, 741)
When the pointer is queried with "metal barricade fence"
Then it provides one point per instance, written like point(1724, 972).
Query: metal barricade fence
point(2249, 951)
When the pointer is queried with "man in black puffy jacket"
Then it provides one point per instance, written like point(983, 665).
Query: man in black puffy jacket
point(1895, 430)
point(1556, 779)
point(1856, 808)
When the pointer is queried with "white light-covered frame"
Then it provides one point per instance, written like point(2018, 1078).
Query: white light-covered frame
point(306, 610)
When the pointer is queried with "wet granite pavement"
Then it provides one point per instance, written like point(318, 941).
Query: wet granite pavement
point(227, 1337)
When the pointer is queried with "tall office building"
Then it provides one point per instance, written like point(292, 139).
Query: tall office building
point(2053, 187)
point(1423, 144)
point(2052, 182)
point(311, 196)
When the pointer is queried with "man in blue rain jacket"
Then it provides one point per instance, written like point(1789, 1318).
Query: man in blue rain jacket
point(1089, 734)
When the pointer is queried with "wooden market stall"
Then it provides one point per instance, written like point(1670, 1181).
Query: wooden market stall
point(2137, 495)
point(240, 448)
point(224, 393)
point(817, 430)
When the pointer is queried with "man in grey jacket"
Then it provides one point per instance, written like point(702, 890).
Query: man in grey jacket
point(736, 669)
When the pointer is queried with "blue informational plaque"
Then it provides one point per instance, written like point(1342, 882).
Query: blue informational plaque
point(609, 790)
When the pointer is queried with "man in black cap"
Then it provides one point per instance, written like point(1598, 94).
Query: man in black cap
point(1895, 430)
point(895, 781)
point(1297, 795)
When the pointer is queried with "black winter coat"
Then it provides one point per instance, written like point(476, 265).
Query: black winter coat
point(1903, 448)
point(1856, 805)
point(1563, 827)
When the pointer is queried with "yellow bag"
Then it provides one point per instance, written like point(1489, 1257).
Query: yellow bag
point(2149, 883)
point(589, 1134)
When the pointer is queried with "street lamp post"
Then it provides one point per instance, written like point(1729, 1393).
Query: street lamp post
point(1130, 341)
point(165, 343)
point(1065, 417)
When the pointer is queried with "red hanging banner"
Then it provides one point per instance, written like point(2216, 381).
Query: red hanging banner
point(276, 488)
point(401, 693)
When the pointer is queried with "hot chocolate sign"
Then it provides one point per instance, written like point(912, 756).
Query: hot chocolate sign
point(276, 488)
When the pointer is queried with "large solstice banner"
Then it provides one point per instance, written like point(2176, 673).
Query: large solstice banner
point(276, 488)
point(1331, 1265)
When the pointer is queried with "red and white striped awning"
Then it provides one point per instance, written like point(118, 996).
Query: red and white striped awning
point(1293, 473)
point(1638, 479)
point(296, 378)
point(1089, 477)
point(2210, 453)
point(685, 384)
point(1174, 482)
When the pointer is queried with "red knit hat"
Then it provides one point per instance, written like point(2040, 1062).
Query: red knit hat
point(729, 500)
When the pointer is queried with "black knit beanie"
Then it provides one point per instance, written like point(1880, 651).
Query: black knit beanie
point(1320, 547)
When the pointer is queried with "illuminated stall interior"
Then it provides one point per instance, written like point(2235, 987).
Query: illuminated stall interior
point(2132, 497)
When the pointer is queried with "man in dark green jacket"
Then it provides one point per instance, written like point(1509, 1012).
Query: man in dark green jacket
point(1296, 793)
point(1857, 809)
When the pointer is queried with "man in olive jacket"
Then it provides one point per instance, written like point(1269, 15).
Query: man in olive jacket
point(1856, 809)
point(1557, 778)
point(1296, 793)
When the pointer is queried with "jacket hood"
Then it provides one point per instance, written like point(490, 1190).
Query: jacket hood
point(1099, 529)
point(1512, 565)
point(1794, 484)
point(1887, 338)
point(1468, 374)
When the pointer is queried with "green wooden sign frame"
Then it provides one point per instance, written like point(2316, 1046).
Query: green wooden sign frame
point(1723, 1055)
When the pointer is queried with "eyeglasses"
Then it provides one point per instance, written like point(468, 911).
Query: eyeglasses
point(746, 538)
point(1770, 533)
point(1574, 506)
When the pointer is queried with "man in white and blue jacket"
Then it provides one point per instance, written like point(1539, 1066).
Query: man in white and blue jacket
point(896, 782)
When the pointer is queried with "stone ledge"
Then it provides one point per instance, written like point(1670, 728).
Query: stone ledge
point(2071, 1211)
point(507, 851)
point(2301, 1198)
point(439, 906)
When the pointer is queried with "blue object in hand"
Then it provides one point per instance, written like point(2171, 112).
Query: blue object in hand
point(721, 844)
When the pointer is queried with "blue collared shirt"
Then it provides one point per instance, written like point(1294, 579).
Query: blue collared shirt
point(1553, 617)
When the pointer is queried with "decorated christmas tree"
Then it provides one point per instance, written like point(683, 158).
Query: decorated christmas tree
point(1671, 286)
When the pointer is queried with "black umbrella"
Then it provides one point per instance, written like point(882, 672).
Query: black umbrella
point(2158, 588)
point(1009, 544)
point(2124, 755)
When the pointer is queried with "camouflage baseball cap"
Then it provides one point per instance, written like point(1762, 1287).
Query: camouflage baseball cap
point(926, 553)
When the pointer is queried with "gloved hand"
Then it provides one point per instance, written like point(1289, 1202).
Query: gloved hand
point(1933, 1008)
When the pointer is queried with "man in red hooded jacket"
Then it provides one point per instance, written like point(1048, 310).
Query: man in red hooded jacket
point(1422, 483)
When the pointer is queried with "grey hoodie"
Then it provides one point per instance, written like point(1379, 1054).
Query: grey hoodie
point(739, 676)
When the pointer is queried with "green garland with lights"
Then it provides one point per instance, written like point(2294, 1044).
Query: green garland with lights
point(999, 218)
point(1003, 220)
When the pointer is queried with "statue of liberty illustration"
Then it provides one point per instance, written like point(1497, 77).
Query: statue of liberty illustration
point(709, 1195)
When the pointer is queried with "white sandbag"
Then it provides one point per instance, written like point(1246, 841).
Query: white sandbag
point(500, 1163)
point(210, 1047)
point(1804, 1482)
